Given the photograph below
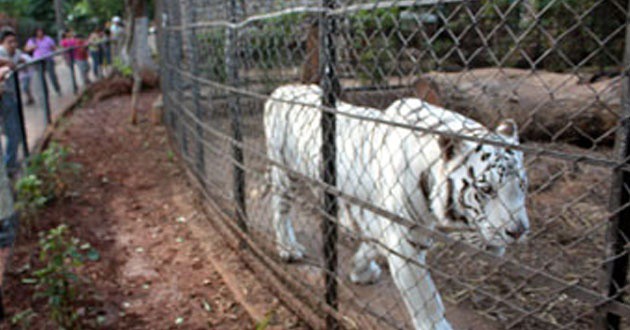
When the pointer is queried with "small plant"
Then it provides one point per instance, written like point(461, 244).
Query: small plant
point(30, 196)
point(170, 155)
point(22, 320)
point(57, 280)
point(125, 70)
point(44, 179)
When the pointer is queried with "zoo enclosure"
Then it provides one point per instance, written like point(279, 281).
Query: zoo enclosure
point(552, 66)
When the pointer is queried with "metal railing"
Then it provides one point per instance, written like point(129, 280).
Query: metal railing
point(25, 125)
point(519, 145)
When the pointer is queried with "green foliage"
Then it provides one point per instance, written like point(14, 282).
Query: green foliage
point(14, 8)
point(30, 195)
point(22, 320)
point(85, 15)
point(559, 36)
point(44, 179)
point(82, 15)
point(266, 321)
point(122, 68)
point(275, 42)
point(57, 280)
point(372, 33)
point(213, 61)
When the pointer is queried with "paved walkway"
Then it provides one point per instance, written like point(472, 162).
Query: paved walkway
point(35, 115)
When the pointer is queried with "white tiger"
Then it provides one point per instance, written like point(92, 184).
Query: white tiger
point(431, 179)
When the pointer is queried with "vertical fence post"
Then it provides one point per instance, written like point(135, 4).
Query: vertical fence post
point(20, 113)
point(166, 53)
point(231, 63)
point(46, 99)
point(8, 223)
point(191, 46)
point(75, 88)
point(330, 88)
point(618, 236)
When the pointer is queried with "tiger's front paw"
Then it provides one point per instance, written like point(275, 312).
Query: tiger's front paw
point(291, 252)
point(367, 275)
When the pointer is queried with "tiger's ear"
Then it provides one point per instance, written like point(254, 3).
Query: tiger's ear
point(508, 130)
point(450, 147)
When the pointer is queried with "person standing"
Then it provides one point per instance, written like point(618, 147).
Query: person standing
point(26, 75)
point(106, 50)
point(81, 57)
point(95, 51)
point(12, 128)
point(43, 46)
point(116, 28)
point(68, 41)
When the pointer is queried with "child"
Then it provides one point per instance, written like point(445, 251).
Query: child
point(81, 58)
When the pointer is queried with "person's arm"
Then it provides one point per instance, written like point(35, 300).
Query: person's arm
point(5, 62)
point(4, 72)
point(53, 45)
point(20, 56)
point(30, 46)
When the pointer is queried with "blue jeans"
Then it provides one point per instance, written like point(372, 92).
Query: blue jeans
point(49, 66)
point(96, 62)
point(12, 129)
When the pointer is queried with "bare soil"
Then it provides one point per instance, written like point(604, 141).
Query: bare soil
point(161, 264)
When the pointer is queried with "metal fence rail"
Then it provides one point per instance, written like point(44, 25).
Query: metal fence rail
point(415, 164)
point(25, 125)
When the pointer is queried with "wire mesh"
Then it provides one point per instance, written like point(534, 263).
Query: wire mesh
point(479, 151)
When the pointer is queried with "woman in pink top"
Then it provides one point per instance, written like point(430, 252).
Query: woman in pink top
point(42, 46)
point(69, 41)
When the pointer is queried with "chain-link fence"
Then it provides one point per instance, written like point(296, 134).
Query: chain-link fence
point(414, 164)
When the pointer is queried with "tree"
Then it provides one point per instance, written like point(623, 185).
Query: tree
point(59, 19)
point(135, 51)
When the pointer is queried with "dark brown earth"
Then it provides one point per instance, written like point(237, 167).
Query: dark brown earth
point(161, 264)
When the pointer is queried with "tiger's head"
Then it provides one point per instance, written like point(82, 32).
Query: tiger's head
point(485, 189)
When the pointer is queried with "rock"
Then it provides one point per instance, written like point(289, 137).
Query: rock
point(547, 106)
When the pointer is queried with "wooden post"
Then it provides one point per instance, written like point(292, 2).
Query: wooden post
point(618, 236)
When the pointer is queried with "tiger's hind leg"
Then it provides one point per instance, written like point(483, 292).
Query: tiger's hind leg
point(364, 268)
point(288, 247)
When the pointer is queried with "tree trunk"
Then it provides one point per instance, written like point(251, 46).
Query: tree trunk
point(135, 50)
point(59, 18)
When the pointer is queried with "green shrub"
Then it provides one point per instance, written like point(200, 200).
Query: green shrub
point(44, 179)
point(30, 195)
point(375, 36)
point(57, 280)
point(122, 68)
point(22, 320)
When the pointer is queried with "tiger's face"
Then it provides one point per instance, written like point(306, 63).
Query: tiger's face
point(486, 189)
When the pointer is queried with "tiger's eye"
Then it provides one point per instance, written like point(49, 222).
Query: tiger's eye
point(487, 190)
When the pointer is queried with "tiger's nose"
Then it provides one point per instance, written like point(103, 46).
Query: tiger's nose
point(517, 231)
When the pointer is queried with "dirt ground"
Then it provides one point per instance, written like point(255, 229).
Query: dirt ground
point(161, 264)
